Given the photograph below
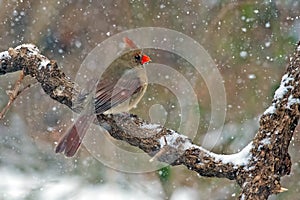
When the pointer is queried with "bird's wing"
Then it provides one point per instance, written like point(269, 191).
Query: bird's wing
point(110, 94)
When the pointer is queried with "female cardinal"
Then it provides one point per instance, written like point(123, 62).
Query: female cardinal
point(119, 89)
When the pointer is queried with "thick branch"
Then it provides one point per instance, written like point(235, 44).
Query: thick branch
point(271, 160)
point(257, 168)
point(27, 57)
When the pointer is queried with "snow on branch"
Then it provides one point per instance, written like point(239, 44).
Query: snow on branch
point(257, 168)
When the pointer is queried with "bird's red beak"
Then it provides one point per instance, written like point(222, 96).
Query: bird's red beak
point(145, 59)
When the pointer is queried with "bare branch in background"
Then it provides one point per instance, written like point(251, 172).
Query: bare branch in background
point(257, 168)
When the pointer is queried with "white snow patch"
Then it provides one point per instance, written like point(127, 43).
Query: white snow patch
point(280, 92)
point(266, 141)
point(151, 126)
point(4, 55)
point(59, 189)
point(111, 191)
point(168, 139)
point(31, 47)
point(270, 110)
point(171, 140)
point(292, 101)
point(263, 143)
point(284, 77)
point(237, 159)
point(44, 63)
point(287, 79)
point(243, 197)
point(16, 184)
point(188, 145)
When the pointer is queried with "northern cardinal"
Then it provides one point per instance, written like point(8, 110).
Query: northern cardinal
point(119, 89)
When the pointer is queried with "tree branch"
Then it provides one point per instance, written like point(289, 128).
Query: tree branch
point(257, 168)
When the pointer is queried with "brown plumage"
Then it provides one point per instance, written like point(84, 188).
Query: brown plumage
point(120, 88)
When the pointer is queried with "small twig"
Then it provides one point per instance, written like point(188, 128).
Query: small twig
point(13, 94)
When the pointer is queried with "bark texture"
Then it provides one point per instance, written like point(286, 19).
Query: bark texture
point(257, 168)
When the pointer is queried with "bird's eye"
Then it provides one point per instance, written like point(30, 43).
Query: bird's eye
point(137, 57)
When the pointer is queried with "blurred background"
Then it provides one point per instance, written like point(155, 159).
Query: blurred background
point(249, 41)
